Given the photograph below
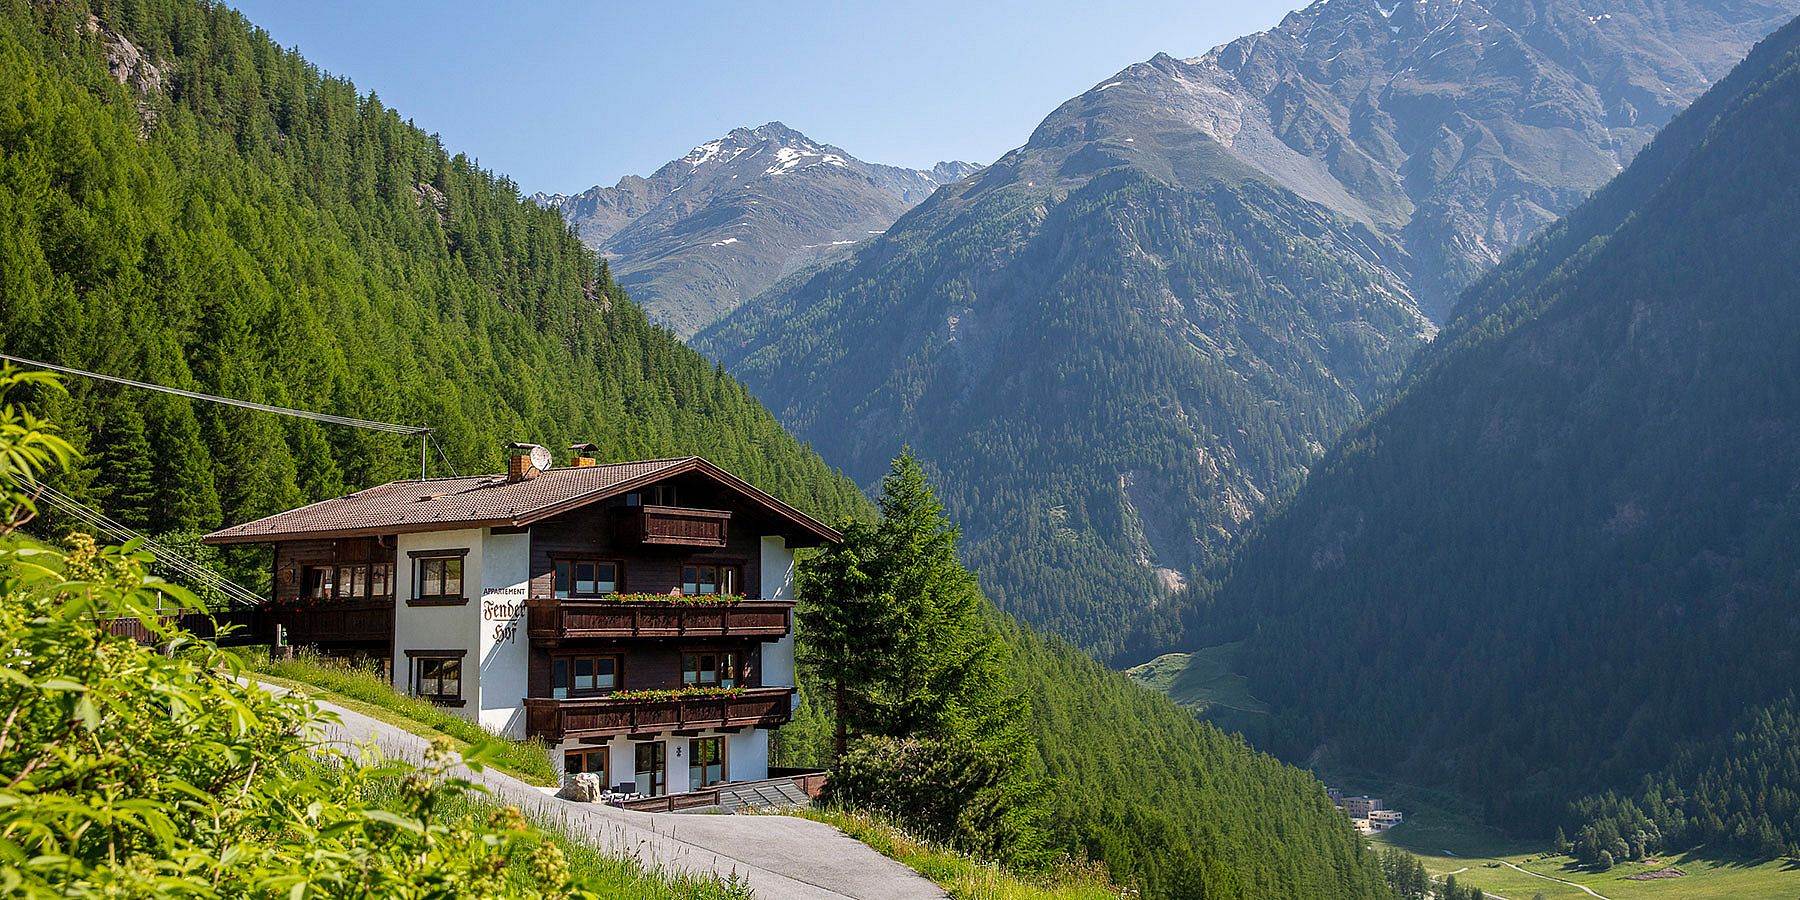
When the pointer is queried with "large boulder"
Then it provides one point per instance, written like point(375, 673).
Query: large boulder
point(582, 787)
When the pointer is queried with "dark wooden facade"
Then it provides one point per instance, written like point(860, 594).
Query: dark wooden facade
point(336, 617)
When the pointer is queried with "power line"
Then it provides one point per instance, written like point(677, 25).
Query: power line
point(193, 570)
point(390, 427)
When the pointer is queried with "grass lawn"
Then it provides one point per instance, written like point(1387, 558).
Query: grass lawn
point(361, 690)
point(964, 878)
point(1448, 840)
point(1206, 681)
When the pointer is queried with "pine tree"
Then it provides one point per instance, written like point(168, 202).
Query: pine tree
point(893, 623)
point(127, 484)
point(946, 676)
point(850, 630)
point(186, 498)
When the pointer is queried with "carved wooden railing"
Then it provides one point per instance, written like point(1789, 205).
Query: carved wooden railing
point(555, 720)
point(553, 620)
point(681, 526)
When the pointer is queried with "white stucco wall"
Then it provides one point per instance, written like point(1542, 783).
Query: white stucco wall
point(777, 569)
point(505, 583)
point(747, 755)
point(778, 584)
point(438, 627)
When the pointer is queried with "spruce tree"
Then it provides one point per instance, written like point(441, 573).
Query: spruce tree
point(849, 629)
point(946, 675)
point(127, 484)
point(186, 499)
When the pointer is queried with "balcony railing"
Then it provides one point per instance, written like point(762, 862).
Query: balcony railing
point(681, 526)
point(555, 720)
point(553, 620)
point(347, 620)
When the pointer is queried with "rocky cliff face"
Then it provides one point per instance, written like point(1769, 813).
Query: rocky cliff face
point(735, 215)
point(1457, 128)
point(1119, 341)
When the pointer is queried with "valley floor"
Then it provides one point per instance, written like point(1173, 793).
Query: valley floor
point(1450, 844)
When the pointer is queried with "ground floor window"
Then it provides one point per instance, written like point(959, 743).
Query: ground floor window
point(587, 759)
point(652, 774)
point(706, 762)
point(438, 678)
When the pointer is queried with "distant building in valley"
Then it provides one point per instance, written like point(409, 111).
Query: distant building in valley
point(1366, 813)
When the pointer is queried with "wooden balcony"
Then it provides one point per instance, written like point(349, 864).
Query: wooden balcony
point(344, 621)
point(555, 720)
point(682, 527)
point(554, 620)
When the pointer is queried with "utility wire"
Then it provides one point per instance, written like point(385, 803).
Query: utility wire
point(195, 571)
point(230, 401)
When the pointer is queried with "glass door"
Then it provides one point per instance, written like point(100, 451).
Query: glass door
point(652, 774)
point(706, 762)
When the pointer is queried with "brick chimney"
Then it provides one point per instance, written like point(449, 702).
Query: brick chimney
point(581, 455)
point(519, 466)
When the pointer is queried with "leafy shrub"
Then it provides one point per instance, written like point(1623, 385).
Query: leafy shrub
point(944, 790)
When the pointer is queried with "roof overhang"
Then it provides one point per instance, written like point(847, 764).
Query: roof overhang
point(813, 532)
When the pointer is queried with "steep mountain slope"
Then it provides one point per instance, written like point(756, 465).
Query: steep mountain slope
point(183, 201)
point(1461, 127)
point(1568, 546)
point(716, 227)
point(1114, 345)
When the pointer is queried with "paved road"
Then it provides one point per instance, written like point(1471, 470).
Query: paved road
point(782, 857)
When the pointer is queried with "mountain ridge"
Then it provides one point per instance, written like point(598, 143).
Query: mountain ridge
point(738, 213)
point(1236, 253)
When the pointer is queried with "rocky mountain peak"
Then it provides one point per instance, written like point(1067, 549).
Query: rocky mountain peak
point(736, 214)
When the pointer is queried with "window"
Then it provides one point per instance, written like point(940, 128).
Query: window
point(315, 583)
point(585, 578)
point(584, 675)
point(587, 759)
point(364, 581)
point(710, 668)
point(438, 678)
point(706, 762)
point(651, 777)
point(701, 580)
point(440, 577)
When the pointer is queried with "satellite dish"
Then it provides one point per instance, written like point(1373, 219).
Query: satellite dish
point(540, 458)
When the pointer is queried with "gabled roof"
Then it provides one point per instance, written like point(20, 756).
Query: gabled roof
point(489, 501)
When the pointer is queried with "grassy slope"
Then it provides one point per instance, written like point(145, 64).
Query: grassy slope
point(1201, 680)
point(363, 691)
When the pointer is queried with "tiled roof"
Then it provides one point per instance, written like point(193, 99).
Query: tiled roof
point(482, 501)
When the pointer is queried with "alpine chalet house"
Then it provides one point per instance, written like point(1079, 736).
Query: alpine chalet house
point(637, 616)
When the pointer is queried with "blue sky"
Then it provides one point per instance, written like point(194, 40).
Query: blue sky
point(563, 96)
